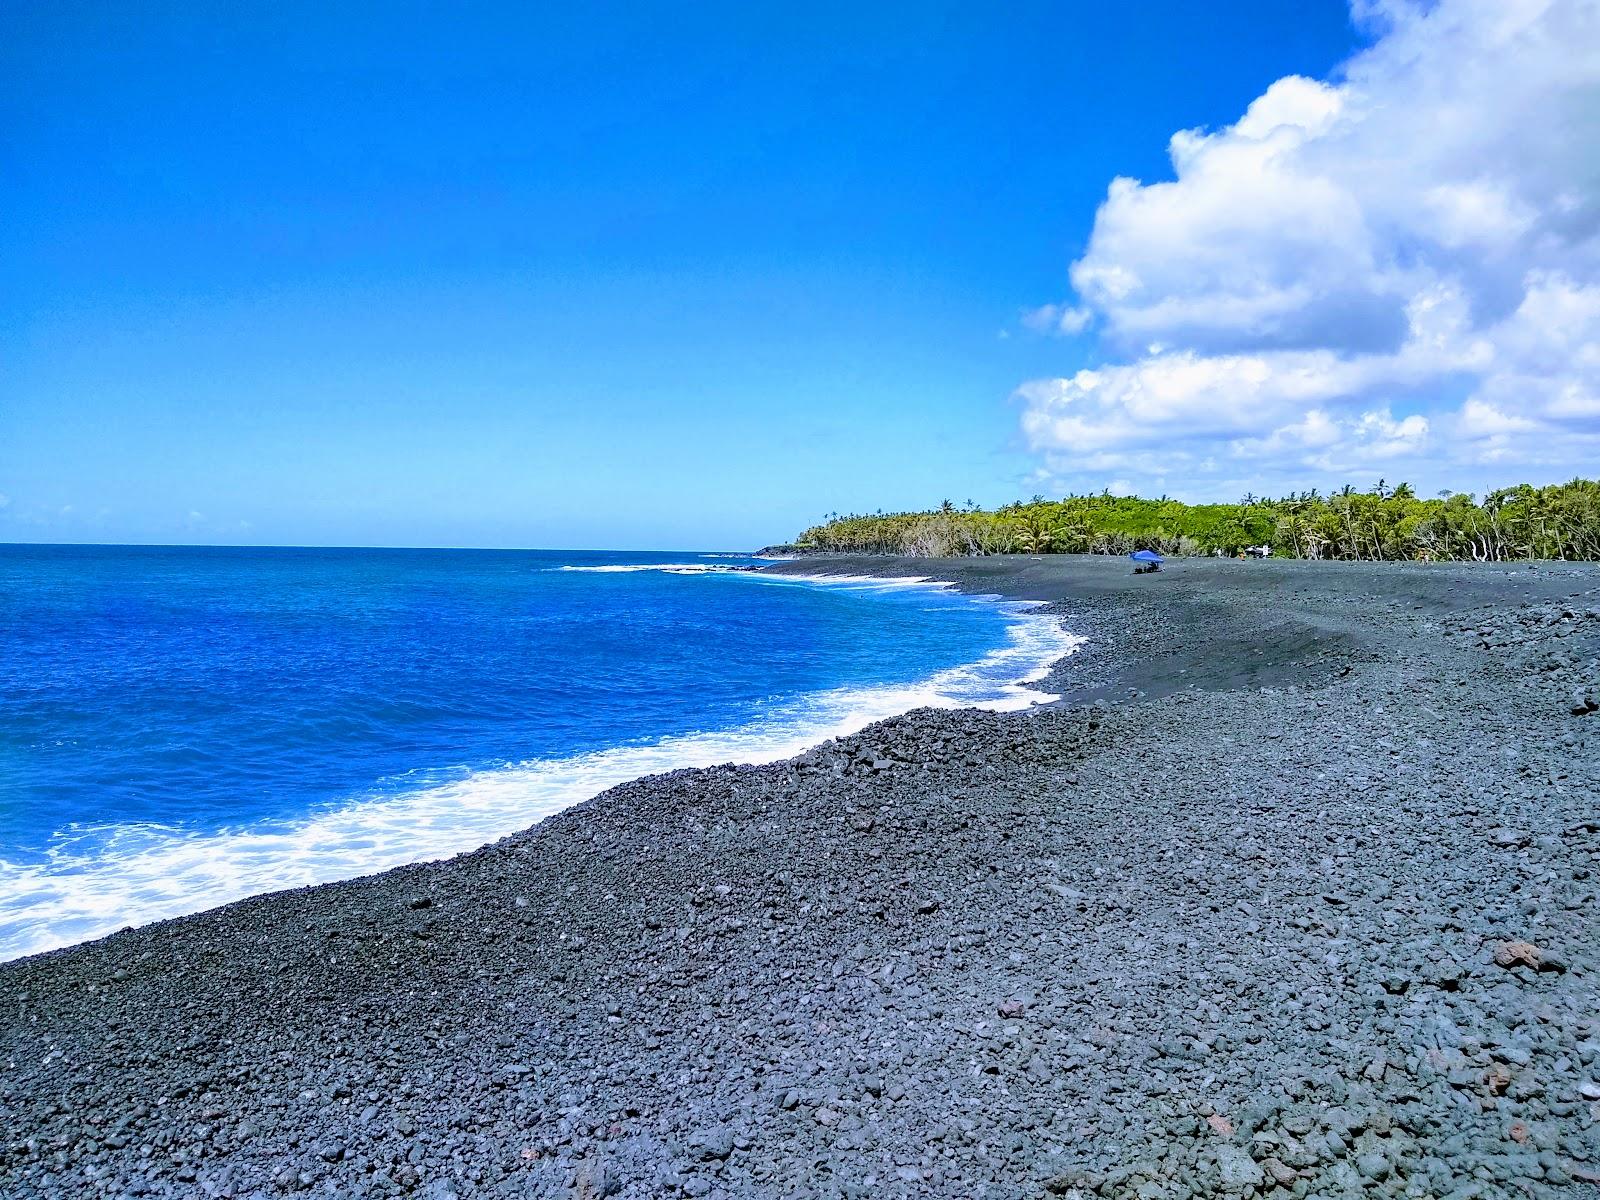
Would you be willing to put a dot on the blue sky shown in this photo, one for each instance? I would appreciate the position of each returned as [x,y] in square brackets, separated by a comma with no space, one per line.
[641,276]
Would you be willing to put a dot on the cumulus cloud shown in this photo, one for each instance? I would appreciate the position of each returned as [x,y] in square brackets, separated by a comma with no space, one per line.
[1400,264]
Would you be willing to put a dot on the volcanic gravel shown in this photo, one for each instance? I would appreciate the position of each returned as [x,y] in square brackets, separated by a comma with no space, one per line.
[1294,895]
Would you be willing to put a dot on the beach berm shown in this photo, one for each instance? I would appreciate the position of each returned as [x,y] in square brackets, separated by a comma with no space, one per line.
[1293,894]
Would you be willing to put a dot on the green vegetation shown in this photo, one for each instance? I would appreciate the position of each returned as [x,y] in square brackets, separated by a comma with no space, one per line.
[1560,521]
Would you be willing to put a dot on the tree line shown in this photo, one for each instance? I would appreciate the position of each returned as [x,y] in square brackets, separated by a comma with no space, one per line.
[1561,521]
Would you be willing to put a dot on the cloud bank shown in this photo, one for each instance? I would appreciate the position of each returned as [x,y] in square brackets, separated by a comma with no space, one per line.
[1393,271]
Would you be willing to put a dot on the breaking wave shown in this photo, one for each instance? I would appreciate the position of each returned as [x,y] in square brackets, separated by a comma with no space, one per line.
[93,879]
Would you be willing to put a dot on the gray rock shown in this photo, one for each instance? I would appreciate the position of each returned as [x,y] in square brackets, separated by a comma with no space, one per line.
[712,1143]
[1238,1169]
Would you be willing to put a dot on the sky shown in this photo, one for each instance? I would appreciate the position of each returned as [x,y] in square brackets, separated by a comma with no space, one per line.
[650,276]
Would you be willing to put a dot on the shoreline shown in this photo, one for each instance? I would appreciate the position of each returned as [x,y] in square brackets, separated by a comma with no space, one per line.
[1228,919]
[318,847]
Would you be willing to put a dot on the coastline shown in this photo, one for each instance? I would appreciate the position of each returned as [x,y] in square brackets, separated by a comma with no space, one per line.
[93,896]
[1256,865]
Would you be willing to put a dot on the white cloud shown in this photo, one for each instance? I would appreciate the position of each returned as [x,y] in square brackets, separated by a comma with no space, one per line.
[5,500]
[1057,318]
[1418,235]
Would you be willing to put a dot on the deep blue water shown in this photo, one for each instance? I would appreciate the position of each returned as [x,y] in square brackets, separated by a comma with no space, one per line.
[184,726]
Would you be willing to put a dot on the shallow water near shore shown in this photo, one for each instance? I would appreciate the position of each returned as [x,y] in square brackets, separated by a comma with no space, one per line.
[190,726]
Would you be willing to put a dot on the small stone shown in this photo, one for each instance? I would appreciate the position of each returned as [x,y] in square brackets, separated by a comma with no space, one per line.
[1373,1165]
[1516,954]
[1281,1173]
[1011,1009]
[420,902]
[709,1144]
[1510,839]
[1299,1123]
[1239,1170]
[1075,1181]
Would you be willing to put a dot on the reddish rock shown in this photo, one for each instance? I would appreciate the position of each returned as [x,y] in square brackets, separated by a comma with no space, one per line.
[1517,954]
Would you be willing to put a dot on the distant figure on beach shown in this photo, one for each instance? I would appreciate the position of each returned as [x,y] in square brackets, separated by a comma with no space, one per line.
[1145,561]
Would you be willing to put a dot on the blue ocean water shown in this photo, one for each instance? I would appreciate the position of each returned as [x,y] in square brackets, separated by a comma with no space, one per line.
[186,726]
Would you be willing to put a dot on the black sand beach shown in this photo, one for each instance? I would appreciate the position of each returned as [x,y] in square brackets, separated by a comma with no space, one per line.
[1293,895]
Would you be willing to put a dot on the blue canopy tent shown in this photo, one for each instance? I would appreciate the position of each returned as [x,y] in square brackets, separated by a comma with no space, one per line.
[1146,560]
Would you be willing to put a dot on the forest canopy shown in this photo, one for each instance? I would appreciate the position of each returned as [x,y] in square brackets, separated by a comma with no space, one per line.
[1561,521]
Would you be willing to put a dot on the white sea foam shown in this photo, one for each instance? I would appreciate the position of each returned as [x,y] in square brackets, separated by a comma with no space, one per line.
[669,568]
[95,880]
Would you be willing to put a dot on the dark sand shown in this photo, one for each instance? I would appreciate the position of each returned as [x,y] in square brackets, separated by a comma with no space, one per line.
[1294,895]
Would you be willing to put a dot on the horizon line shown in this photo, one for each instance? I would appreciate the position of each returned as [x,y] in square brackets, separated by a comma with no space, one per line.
[287,546]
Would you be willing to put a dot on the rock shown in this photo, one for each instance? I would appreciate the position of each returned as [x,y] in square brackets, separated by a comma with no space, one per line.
[1526,954]
[598,1181]
[1238,1169]
[1011,1009]
[1510,838]
[1373,1165]
[1073,1180]
[712,1143]
[1280,1173]
[1516,954]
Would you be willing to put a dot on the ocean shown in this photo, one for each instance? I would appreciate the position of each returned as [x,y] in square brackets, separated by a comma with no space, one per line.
[185,726]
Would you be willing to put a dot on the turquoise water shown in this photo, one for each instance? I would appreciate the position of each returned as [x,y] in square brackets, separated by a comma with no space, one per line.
[186,726]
